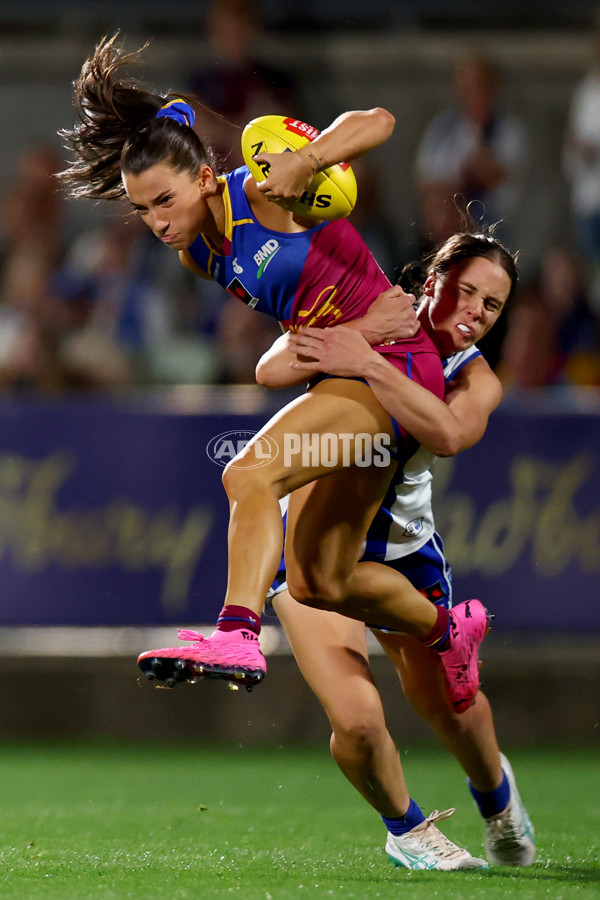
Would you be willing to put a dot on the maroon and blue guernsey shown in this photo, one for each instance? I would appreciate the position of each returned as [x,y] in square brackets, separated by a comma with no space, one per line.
[322,276]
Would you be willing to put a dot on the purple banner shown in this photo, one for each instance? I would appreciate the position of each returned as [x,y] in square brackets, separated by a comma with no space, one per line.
[520,518]
[113,513]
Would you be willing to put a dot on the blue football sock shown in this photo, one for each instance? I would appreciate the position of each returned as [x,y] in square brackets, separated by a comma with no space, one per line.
[490,803]
[407,822]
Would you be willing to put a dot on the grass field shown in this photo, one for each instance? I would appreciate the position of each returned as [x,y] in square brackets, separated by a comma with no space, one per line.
[137,822]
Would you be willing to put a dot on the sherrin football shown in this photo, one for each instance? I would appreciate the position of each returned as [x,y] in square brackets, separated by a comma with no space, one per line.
[332,192]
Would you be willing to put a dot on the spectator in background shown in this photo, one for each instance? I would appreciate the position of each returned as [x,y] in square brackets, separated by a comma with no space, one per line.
[237,83]
[377,229]
[32,211]
[474,149]
[33,317]
[241,335]
[37,316]
[133,328]
[581,166]
[553,337]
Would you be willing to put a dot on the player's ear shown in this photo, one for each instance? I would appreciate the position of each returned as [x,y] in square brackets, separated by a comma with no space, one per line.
[206,178]
[429,286]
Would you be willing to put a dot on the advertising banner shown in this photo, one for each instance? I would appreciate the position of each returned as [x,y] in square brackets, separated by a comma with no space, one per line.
[113,513]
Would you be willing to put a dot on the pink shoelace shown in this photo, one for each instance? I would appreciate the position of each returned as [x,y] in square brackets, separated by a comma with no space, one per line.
[186,635]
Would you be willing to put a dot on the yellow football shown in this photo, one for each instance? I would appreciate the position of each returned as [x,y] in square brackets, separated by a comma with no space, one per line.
[332,192]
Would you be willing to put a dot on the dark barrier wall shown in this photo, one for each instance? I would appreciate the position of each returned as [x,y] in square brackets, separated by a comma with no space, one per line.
[113,513]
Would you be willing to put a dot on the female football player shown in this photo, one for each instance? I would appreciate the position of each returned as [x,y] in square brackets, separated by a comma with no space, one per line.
[132,142]
[331,650]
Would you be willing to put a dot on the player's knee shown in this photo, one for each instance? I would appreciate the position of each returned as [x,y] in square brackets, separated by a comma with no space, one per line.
[229,479]
[239,480]
[314,589]
[314,583]
[360,734]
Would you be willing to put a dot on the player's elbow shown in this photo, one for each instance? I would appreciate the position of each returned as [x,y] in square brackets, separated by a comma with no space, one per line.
[447,448]
[447,443]
[274,376]
[263,375]
[385,120]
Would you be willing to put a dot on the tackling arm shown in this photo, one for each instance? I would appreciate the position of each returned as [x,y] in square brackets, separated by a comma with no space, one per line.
[445,428]
[390,317]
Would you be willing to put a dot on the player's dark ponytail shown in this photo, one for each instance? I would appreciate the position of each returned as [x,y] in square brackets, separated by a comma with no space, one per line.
[118,130]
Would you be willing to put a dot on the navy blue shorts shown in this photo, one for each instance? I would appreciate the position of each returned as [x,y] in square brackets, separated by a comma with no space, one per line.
[427,569]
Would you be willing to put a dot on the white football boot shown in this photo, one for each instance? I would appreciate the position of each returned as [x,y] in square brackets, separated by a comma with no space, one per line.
[510,838]
[425,847]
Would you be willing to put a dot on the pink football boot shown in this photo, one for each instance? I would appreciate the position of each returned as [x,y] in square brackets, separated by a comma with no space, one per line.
[469,623]
[233,656]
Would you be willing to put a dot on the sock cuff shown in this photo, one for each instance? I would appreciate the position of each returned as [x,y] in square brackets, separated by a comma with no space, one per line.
[440,631]
[401,824]
[232,617]
[490,803]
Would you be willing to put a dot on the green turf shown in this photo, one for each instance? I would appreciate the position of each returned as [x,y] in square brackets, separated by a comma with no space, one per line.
[81,822]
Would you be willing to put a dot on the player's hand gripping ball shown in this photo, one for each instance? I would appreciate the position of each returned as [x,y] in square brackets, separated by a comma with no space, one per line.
[330,195]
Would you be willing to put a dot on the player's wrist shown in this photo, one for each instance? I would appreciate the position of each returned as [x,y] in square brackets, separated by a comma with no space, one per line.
[361,326]
[312,159]
[374,367]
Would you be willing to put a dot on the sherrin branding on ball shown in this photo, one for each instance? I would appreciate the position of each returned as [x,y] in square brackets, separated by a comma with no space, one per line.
[331,193]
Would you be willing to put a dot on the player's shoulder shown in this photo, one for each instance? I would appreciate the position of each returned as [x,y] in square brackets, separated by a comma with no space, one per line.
[235,179]
[454,364]
[189,262]
[471,371]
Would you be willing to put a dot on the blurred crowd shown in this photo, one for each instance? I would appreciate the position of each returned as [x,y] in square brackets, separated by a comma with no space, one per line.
[98,304]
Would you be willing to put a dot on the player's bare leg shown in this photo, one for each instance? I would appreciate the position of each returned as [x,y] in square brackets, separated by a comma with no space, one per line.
[332,654]
[471,738]
[337,407]
[326,525]
[255,539]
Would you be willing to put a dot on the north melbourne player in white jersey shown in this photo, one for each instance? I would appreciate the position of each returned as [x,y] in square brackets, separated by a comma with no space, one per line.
[403,533]
[404,522]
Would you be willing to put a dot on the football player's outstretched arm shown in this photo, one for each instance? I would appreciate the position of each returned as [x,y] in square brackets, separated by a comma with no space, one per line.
[351,135]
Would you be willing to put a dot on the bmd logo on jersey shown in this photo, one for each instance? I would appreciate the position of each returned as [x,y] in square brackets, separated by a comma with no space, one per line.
[224,448]
[264,256]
